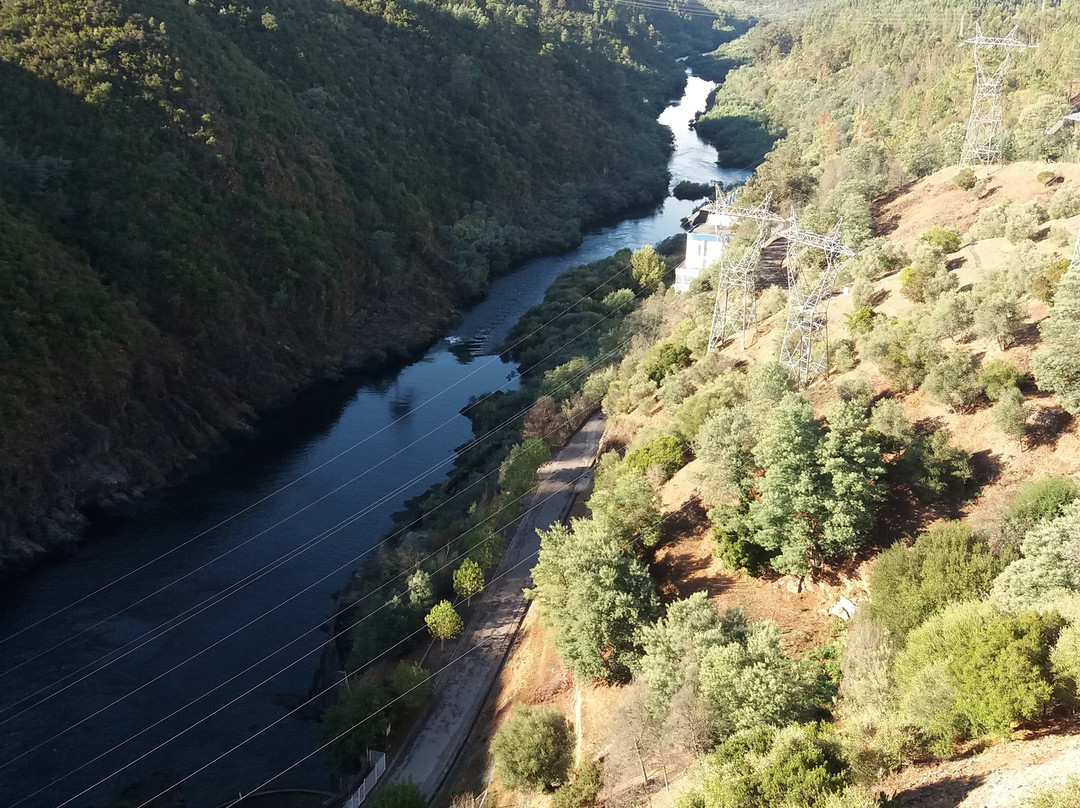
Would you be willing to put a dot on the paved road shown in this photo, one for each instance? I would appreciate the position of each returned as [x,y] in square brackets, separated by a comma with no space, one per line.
[463,688]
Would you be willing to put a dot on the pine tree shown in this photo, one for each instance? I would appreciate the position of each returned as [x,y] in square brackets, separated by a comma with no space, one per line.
[1057,366]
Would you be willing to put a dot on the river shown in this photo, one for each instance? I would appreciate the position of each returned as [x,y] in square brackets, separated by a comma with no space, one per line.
[173,646]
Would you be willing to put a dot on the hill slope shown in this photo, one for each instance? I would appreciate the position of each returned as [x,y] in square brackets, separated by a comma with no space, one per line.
[204,206]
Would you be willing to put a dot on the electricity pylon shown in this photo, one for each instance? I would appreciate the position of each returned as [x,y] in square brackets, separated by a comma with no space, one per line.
[807,314]
[1075,262]
[736,284]
[983,137]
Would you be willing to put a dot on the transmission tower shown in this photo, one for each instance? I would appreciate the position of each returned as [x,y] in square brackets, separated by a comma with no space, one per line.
[807,314]
[736,285]
[982,139]
[1075,262]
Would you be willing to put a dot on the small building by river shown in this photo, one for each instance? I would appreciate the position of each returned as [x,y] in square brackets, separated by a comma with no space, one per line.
[704,245]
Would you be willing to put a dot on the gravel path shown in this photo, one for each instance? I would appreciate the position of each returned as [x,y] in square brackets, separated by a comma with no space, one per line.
[460,692]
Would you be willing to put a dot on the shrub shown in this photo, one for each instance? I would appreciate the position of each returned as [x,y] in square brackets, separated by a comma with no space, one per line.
[947,564]
[1055,366]
[668,452]
[762,768]
[997,377]
[1050,565]
[1000,316]
[535,749]
[842,355]
[954,313]
[954,381]
[665,358]
[1024,221]
[965,178]
[1064,203]
[1065,658]
[583,789]
[861,320]
[944,238]
[771,300]
[1066,795]
[1043,499]
[972,670]
[1044,285]
[939,466]
[399,795]
[1011,414]
[990,223]
[1045,176]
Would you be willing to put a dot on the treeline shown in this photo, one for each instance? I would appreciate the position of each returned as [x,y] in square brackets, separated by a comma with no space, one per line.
[204,205]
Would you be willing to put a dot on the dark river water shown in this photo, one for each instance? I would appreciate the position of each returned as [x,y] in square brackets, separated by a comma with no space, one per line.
[174,645]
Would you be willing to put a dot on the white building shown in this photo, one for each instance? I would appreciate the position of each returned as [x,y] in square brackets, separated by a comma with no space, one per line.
[704,245]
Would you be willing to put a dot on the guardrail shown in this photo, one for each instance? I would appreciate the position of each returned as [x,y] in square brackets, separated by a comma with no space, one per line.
[378,767]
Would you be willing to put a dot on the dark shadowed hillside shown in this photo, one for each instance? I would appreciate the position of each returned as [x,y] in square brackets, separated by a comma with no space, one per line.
[204,206]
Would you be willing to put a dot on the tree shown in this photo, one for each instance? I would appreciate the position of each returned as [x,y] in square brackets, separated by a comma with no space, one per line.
[997,377]
[518,472]
[443,621]
[955,381]
[1057,365]
[999,316]
[1011,414]
[628,509]
[534,749]
[421,595]
[596,594]
[468,579]
[1050,565]
[947,564]
[647,267]
[790,507]
[725,447]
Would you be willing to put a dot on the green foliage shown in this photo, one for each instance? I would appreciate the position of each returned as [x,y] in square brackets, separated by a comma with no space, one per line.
[944,238]
[996,377]
[393,795]
[861,320]
[772,299]
[1057,365]
[421,593]
[954,381]
[518,472]
[725,447]
[1064,203]
[443,621]
[1024,221]
[1064,796]
[764,768]
[938,466]
[665,358]
[947,564]
[972,670]
[1050,565]
[965,178]
[468,578]
[627,508]
[902,350]
[361,717]
[1000,316]
[1044,285]
[534,749]
[582,791]
[750,683]
[596,594]
[954,314]
[647,268]
[1011,414]
[1043,499]
[817,496]
[668,452]
[990,223]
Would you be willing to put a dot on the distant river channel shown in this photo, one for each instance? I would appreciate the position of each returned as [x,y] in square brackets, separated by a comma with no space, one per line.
[173,646]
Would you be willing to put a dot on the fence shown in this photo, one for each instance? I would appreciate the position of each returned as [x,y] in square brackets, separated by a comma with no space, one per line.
[378,766]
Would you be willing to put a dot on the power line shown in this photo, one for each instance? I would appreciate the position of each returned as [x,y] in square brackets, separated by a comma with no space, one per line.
[243,583]
[269,496]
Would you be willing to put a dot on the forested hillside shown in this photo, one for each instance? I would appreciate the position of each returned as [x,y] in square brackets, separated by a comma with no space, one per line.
[205,205]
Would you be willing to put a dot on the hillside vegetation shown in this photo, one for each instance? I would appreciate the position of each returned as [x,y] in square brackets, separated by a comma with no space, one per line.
[933,477]
[205,205]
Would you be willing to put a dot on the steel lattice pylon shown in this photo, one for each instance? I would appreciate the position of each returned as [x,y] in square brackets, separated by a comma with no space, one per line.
[807,317]
[983,137]
[736,284]
[1075,262]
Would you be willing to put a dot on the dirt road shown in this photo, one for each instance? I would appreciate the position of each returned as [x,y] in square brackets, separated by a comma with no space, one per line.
[462,689]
